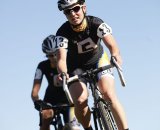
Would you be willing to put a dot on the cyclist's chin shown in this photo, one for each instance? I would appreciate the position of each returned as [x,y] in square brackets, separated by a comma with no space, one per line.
[76,22]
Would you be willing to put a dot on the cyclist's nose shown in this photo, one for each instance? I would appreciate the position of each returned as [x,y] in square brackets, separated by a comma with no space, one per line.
[72,13]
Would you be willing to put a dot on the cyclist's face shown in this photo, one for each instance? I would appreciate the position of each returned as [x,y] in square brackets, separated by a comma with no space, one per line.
[52,58]
[75,14]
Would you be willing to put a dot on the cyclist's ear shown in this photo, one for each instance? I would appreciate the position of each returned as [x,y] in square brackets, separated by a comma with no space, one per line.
[84,8]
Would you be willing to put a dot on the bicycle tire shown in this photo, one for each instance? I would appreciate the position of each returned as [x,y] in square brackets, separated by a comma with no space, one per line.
[106,116]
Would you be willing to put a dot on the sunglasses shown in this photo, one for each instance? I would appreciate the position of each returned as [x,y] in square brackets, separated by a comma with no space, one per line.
[74,9]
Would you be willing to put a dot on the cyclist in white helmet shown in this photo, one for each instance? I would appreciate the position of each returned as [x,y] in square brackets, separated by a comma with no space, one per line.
[81,35]
[54,93]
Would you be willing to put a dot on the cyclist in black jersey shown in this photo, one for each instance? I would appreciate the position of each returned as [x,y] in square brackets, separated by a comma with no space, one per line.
[79,47]
[54,93]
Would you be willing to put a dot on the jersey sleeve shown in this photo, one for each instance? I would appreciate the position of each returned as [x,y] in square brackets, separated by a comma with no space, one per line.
[39,73]
[103,29]
[61,42]
[61,37]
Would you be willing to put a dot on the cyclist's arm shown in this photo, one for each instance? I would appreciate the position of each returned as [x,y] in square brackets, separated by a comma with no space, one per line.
[37,83]
[61,46]
[113,47]
[104,31]
[61,60]
[35,89]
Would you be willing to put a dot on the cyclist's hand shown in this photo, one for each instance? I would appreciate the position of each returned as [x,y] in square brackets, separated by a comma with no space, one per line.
[117,58]
[41,105]
[46,106]
[38,104]
[60,76]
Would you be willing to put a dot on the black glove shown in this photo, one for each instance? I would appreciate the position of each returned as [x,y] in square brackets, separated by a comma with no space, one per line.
[41,105]
[38,104]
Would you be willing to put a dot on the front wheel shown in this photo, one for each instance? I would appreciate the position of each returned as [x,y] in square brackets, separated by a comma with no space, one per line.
[106,116]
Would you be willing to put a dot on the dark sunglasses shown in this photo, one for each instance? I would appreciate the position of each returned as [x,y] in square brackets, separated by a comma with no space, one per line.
[74,9]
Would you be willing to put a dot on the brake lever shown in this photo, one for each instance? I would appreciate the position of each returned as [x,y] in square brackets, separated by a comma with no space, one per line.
[120,71]
[66,90]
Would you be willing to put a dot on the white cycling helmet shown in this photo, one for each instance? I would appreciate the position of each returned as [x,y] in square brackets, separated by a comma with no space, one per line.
[62,4]
[48,45]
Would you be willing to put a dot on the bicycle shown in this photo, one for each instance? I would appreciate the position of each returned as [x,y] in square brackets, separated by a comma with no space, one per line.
[57,119]
[102,114]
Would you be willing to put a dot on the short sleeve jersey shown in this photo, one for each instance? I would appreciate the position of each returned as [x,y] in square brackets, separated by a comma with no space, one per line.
[44,68]
[54,93]
[84,48]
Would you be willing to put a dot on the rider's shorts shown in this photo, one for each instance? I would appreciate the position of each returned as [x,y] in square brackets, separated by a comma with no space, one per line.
[102,61]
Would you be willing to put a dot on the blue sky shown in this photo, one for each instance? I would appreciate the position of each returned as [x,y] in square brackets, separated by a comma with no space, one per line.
[23,26]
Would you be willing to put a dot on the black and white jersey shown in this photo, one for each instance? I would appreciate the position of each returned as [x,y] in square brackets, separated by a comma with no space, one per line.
[54,92]
[84,48]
